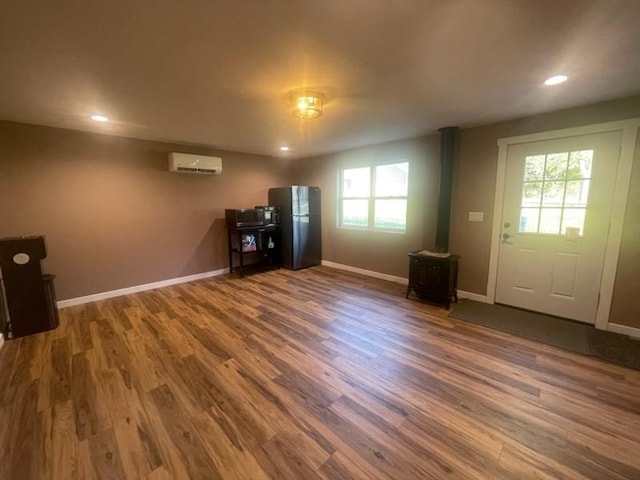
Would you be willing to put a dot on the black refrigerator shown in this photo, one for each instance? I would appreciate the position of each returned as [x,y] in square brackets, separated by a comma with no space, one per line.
[299,212]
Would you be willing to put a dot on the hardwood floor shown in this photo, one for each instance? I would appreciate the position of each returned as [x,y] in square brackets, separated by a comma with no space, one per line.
[314,374]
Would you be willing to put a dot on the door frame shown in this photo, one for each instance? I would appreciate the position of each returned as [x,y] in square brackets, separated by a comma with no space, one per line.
[629,129]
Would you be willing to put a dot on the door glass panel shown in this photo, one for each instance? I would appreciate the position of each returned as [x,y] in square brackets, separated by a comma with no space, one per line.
[558,185]
[573,217]
[531,193]
[550,220]
[556,166]
[577,193]
[529,220]
[580,164]
[553,194]
[534,168]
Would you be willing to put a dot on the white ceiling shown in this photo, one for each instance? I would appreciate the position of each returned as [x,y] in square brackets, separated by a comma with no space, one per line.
[217,72]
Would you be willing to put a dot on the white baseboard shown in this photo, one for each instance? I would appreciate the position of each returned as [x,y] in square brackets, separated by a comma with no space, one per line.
[1,341]
[139,288]
[368,273]
[624,329]
[473,296]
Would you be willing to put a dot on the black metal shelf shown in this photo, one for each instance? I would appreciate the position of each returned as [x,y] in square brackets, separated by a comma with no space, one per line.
[259,245]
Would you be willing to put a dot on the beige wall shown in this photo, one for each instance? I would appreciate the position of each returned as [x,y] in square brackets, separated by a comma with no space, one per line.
[115,217]
[112,213]
[378,251]
[473,190]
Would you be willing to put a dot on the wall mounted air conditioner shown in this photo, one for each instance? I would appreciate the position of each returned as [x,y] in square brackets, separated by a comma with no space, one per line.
[188,163]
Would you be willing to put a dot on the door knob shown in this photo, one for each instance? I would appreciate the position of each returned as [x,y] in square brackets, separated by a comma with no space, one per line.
[505,239]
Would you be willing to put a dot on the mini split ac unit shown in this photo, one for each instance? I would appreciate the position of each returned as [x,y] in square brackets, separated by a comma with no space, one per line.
[188,163]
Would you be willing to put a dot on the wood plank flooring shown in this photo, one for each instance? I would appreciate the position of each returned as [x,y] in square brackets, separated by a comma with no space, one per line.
[314,374]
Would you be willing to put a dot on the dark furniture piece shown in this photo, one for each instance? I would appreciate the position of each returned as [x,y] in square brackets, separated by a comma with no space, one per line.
[252,248]
[299,216]
[433,278]
[29,296]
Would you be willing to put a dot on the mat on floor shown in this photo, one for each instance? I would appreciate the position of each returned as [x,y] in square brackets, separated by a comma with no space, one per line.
[574,336]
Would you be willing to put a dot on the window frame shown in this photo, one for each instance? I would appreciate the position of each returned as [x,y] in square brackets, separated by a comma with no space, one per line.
[371,199]
[540,206]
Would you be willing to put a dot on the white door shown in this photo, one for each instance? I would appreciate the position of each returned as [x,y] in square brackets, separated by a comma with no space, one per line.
[555,221]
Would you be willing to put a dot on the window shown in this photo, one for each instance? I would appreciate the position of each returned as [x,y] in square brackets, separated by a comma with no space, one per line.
[374,197]
[555,190]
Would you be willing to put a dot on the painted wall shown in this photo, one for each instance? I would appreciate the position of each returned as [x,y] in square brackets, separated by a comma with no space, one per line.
[473,190]
[115,217]
[378,251]
[112,214]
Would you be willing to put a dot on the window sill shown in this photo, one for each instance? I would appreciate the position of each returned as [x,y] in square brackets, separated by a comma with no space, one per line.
[368,229]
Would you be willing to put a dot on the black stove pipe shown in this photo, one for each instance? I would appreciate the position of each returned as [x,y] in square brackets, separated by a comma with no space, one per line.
[447,146]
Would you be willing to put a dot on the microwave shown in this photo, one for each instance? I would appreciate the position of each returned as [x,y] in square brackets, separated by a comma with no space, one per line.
[270,214]
[244,217]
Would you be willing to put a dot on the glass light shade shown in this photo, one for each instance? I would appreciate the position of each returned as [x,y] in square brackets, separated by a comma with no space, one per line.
[307,104]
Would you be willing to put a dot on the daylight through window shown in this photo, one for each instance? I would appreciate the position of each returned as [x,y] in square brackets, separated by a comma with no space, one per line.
[555,190]
[374,197]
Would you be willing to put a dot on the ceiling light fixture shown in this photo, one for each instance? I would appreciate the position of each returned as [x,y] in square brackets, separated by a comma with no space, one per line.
[99,118]
[307,103]
[556,80]
[284,148]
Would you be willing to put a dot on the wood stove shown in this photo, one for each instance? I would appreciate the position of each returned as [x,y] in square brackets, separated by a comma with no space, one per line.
[434,275]
[433,278]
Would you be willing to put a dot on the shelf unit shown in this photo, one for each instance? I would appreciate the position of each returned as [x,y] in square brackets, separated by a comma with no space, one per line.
[254,248]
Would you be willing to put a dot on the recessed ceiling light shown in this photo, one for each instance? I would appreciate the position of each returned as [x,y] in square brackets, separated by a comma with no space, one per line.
[99,118]
[555,80]
[284,148]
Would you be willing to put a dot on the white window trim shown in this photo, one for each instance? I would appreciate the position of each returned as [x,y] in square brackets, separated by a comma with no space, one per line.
[370,227]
